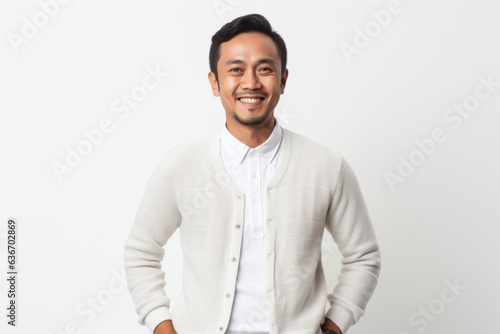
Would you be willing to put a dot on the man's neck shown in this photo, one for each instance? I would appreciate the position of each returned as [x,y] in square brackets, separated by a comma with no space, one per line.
[254,135]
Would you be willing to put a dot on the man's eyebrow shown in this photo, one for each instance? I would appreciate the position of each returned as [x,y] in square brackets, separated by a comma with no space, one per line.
[260,61]
[234,62]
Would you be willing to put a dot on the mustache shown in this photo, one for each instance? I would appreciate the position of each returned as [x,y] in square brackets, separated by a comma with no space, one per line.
[258,93]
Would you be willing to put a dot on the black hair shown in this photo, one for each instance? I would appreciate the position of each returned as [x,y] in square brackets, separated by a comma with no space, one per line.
[247,23]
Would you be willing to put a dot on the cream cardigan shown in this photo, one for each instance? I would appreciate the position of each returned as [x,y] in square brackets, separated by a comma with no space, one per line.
[313,189]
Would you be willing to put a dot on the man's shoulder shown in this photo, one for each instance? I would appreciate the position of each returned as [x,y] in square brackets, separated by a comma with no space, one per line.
[189,154]
[306,146]
[202,144]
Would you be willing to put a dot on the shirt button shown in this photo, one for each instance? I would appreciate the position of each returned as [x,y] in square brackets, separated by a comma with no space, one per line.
[238,226]
[233,259]
[228,295]
[221,328]
[238,196]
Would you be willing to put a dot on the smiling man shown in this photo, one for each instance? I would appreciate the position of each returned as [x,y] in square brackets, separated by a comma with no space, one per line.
[251,203]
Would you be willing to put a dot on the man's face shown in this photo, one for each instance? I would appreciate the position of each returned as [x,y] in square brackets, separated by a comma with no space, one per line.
[250,80]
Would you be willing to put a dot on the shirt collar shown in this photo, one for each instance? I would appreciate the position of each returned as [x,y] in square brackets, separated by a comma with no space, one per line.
[239,151]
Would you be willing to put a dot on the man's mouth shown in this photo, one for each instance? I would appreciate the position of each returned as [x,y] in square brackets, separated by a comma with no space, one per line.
[250,100]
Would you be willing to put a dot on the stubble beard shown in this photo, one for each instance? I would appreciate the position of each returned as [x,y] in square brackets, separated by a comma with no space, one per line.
[252,121]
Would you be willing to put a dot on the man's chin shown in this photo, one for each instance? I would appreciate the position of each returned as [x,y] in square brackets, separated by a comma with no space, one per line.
[252,120]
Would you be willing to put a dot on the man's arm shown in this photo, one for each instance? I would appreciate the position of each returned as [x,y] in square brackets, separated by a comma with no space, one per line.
[350,225]
[156,220]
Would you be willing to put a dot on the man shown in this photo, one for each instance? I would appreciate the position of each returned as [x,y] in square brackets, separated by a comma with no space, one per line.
[252,203]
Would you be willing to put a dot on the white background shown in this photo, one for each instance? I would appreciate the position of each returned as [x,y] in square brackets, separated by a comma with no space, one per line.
[439,225]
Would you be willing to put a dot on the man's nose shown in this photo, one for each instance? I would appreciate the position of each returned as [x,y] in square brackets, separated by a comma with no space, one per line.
[250,81]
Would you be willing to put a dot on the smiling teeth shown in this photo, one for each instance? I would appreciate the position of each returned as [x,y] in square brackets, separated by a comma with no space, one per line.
[249,100]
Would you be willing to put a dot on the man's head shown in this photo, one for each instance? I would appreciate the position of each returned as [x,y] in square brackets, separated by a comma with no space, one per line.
[247,23]
[248,69]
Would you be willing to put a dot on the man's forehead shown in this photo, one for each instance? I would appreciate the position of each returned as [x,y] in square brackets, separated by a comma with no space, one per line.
[254,43]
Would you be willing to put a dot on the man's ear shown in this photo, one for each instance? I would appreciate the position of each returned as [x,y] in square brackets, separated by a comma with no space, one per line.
[284,77]
[213,83]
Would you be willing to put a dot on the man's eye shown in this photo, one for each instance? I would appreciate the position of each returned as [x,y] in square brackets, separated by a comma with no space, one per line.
[236,69]
[265,69]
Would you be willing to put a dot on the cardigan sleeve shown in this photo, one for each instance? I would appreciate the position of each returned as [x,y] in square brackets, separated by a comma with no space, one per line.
[156,220]
[349,223]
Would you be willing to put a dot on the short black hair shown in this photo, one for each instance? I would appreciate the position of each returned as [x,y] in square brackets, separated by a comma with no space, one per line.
[247,23]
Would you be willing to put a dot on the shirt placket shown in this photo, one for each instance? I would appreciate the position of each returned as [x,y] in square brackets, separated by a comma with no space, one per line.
[257,231]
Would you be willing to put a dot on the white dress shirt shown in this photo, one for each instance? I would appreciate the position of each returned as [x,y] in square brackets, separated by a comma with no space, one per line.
[251,169]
